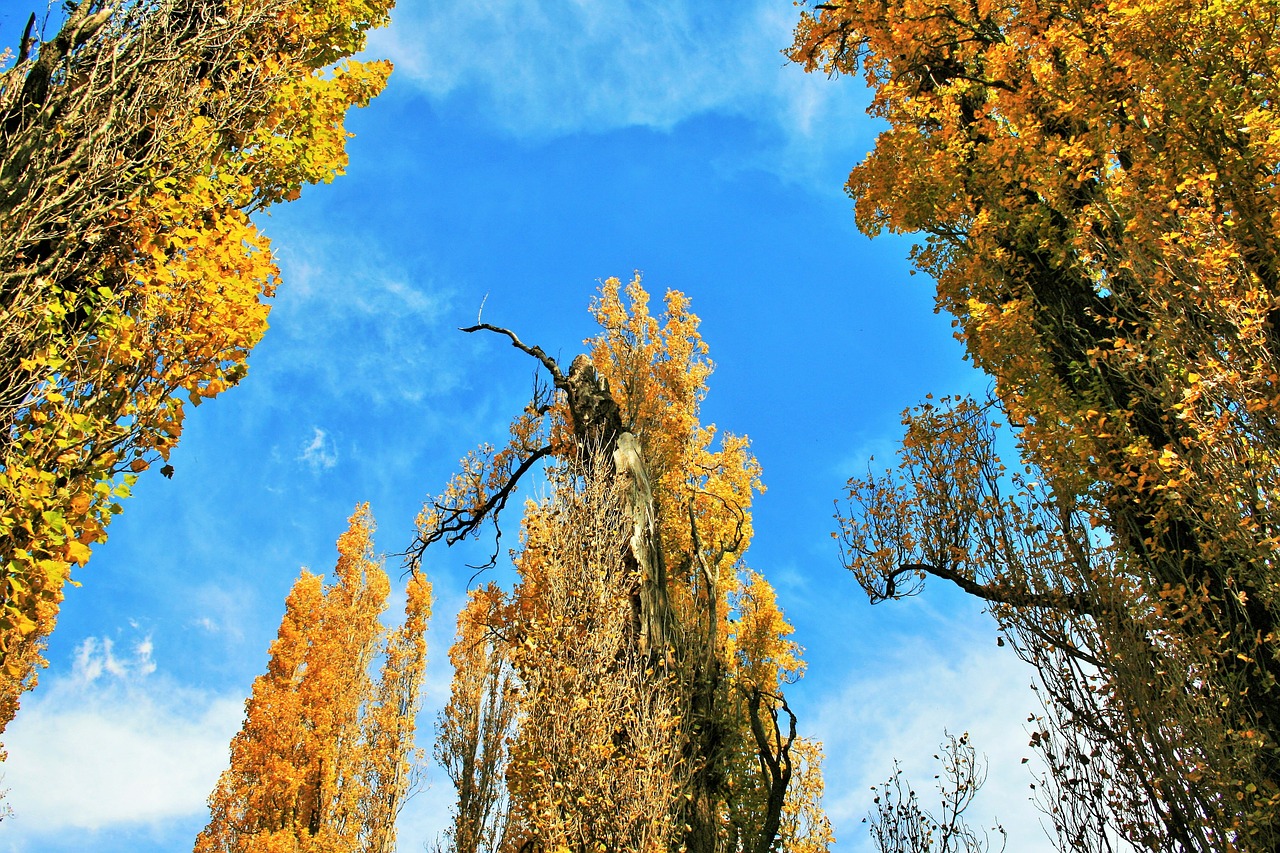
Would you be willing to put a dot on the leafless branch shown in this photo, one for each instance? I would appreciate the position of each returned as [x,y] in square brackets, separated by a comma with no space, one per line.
[561,381]
[773,750]
[457,523]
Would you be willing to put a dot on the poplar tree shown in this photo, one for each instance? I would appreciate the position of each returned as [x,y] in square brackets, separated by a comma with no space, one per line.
[136,139]
[472,743]
[325,757]
[647,661]
[1096,189]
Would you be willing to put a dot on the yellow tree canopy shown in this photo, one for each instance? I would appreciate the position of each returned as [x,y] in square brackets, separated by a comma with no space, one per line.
[138,139]
[323,761]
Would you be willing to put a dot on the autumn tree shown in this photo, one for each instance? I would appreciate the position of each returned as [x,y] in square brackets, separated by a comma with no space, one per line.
[596,759]
[1096,187]
[475,726]
[1132,755]
[804,824]
[649,661]
[137,137]
[326,754]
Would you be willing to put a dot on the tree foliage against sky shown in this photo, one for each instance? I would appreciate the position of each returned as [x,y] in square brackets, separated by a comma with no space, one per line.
[326,755]
[1097,187]
[476,725]
[646,661]
[137,139]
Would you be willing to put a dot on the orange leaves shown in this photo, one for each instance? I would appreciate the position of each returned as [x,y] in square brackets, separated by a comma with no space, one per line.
[765,658]
[1020,142]
[1097,187]
[323,759]
[635,636]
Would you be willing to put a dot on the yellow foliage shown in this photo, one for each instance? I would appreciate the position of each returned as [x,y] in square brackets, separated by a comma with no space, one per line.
[166,139]
[1095,183]
[618,744]
[764,656]
[325,755]
[596,757]
[657,369]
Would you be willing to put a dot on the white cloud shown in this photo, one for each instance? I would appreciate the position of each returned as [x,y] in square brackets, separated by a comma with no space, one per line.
[320,453]
[110,744]
[902,706]
[355,326]
[561,65]
[94,657]
[544,68]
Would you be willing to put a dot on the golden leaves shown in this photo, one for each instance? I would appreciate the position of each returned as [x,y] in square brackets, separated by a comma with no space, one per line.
[763,654]
[160,144]
[324,756]
[1097,187]
[596,759]
[657,368]
[635,633]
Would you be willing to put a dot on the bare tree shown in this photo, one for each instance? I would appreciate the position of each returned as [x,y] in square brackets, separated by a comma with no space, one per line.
[900,824]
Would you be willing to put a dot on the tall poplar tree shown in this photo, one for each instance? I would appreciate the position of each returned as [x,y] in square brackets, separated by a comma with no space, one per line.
[472,743]
[1097,189]
[326,755]
[135,140]
[647,661]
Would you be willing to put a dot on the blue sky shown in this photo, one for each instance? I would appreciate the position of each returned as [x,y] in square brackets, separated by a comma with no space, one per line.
[525,150]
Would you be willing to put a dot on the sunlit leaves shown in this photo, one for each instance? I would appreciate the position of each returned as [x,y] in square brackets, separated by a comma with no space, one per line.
[472,742]
[1096,187]
[138,140]
[597,759]
[326,756]
[625,736]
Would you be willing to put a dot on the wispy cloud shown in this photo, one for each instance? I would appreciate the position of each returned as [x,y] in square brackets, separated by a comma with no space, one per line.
[358,325]
[900,708]
[113,744]
[544,68]
[320,453]
[95,657]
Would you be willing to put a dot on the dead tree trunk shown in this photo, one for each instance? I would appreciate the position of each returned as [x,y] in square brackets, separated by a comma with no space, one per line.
[598,429]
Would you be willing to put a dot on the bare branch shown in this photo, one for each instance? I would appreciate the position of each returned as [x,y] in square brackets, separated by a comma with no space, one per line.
[1075,603]
[457,523]
[561,381]
[774,753]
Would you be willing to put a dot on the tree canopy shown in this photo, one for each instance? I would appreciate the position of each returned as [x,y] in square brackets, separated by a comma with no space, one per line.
[638,665]
[1096,187]
[137,140]
[326,756]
